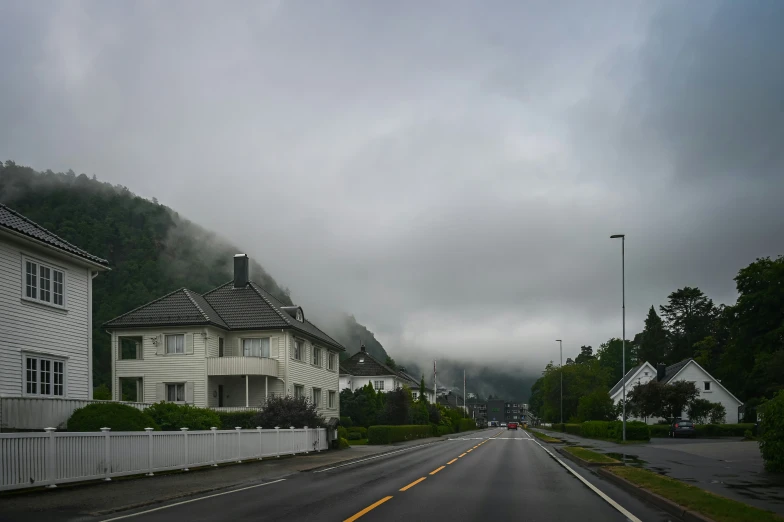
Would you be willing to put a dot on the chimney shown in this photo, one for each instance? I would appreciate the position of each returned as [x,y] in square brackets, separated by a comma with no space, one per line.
[661,371]
[362,348]
[240,271]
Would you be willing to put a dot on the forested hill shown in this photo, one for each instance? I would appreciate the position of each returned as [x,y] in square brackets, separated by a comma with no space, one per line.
[150,248]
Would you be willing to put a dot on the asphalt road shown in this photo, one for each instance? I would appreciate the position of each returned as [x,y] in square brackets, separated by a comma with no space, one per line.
[494,473]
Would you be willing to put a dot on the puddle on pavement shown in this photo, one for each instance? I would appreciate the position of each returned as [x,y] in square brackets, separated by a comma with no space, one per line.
[628,459]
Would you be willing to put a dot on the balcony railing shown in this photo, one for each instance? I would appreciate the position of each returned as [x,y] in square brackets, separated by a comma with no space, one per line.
[242,366]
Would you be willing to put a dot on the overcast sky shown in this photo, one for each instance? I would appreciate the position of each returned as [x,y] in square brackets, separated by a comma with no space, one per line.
[449,172]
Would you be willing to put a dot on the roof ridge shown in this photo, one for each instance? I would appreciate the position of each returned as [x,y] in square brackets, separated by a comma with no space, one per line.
[85,253]
[192,300]
[253,285]
[205,294]
[146,304]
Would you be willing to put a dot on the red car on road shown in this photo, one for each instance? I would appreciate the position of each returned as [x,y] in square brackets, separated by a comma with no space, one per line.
[511,426]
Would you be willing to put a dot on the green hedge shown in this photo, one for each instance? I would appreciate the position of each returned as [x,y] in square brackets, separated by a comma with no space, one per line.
[574,429]
[390,434]
[118,417]
[611,430]
[172,417]
[343,444]
[358,429]
[442,430]
[354,435]
[772,432]
[346,421]
[242,419]
[708,430]
[660,430]
[466,425]
[342,433]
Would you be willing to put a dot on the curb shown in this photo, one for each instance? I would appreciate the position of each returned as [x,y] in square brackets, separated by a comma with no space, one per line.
[585,463]
[662,503]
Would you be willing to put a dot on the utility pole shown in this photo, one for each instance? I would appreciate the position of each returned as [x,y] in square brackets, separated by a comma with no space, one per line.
[560,342]
[623,308]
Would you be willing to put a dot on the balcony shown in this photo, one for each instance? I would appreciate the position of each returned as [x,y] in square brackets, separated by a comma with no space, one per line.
[242,366]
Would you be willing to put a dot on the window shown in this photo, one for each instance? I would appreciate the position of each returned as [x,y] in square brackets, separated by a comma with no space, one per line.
[316,356]
[414,395]
[330,361]
[379,385]
[175,392]
[175,343]
[299,391]
[44,376]
[300,317]
[43,283]
[220,346]
[299,349]
[331,399]
[256,347]
[130,348]
[706,386]
[317,397]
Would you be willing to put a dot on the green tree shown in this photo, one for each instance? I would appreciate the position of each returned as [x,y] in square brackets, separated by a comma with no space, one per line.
[586,354]
[422,391]
[610,356]
[652,345]
[690,317]
[677,396]
[646,400]
[718,413]
[390,362]
[699,410]
[596,405]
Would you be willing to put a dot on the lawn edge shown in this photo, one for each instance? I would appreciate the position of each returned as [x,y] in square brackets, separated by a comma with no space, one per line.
[586,463]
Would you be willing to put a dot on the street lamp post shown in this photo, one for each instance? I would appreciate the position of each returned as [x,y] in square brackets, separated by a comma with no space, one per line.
[623,339]
[560,342]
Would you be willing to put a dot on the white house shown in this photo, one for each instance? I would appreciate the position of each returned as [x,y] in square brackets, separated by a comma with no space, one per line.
[362,369]
[234,346]
[709,387]
[46,308]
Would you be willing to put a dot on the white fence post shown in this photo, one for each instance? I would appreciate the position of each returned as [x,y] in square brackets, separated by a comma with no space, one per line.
[307,440]
[187,454]
[51,458]
[149,451]
[277,450]
[107,454]
[293,441]
[261,444]
[214,446]
[239,444]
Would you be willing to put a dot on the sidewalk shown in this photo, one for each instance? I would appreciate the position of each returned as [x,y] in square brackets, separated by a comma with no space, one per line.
[728,467]
[70,501]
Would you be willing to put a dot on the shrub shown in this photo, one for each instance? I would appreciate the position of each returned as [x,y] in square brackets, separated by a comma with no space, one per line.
[613,430]
[466,425]
[287,412]
[442,430]
[390,434]
[747,435]
[342,432]
[717,413]
[660,430]
[722,430]
[118,417]
[344,443]
[358,429]
[354,435]
[233,419]
[346,421]
[771,432]
[102,393]
[634,431]
[172,417]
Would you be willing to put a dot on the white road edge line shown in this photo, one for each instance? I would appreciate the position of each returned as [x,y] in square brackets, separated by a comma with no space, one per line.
[596,490]
[192,500]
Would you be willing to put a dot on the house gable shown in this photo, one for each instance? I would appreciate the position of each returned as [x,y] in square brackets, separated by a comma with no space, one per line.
[691,363]
[632,374]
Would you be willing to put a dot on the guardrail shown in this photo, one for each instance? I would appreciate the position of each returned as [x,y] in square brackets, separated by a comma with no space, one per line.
[51,458]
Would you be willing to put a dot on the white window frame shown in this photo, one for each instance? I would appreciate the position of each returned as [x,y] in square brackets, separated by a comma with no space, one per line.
[301,389]
[301,357]
[166,344]
[51,291]
[316,351]
[706,386]
[378,385]
[331,396]
[330,361]
[261,346]
[175,393]
[316,400]
[52,361]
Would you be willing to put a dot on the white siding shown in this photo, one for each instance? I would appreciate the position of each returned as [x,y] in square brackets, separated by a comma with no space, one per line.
[41,328]
[306,374]
[694,373]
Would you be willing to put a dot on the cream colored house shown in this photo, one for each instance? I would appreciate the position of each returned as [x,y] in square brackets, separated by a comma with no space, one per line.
[362,369]
[232,347]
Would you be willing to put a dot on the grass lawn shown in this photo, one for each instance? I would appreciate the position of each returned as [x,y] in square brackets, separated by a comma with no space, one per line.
[691,497]
[541,436]
[590,456]
[360,442]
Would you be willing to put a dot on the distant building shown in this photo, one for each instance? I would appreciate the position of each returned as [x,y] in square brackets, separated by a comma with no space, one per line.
[362,369]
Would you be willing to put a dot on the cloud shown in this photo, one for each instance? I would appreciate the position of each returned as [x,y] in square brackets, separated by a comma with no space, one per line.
[447,172]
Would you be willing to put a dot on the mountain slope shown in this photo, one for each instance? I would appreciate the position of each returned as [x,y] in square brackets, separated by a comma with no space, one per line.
[150,248]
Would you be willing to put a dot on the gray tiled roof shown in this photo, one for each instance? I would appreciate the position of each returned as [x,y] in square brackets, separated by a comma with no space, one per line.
[672,369]
[362,364]
[626,377]
[247,308]
[16,222]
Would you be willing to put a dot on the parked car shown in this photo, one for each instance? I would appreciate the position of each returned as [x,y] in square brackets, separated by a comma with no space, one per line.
[682,428]
[503,425]
[511,426]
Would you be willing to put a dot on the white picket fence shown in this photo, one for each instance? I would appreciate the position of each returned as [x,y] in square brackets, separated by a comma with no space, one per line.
[51,458]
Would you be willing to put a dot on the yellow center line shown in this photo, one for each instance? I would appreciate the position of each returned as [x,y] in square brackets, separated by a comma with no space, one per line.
[463,455]
[476,446]
[469,451]
[367,510]
[417,481]
[451,461]
[437,470]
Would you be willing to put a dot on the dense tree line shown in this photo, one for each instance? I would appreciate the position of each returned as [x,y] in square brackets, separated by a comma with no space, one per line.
[151,249]
[742,345]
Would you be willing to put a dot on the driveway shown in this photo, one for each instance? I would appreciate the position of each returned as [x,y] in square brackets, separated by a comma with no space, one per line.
[726,466]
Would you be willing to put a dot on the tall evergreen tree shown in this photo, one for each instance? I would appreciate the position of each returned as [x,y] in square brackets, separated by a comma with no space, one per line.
[690,317]
[652,345]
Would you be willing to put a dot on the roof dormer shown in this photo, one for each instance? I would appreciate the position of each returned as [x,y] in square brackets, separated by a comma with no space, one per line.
[295,312]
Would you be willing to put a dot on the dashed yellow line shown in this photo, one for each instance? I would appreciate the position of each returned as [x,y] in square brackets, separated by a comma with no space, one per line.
[417,481]
[451,461]
[367,510]
[437,470]
[463,455]
[469,451]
